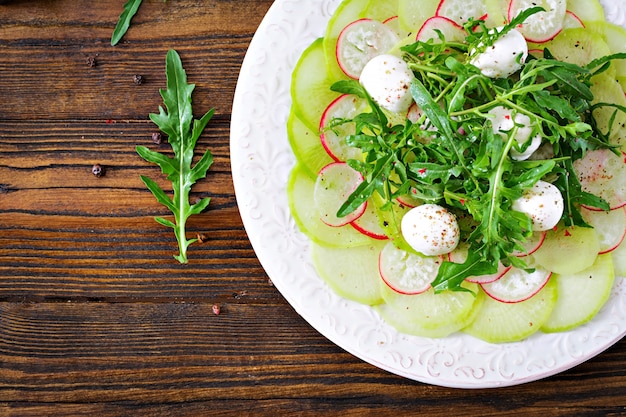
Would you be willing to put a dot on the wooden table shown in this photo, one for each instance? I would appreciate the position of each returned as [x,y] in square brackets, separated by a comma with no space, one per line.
[97,318]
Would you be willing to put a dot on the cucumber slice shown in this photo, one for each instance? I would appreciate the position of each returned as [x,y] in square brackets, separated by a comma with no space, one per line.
[404,321]
[498,322]
[300,196]
[586,10]
[413,13]
[577,46]
[382,9]
[615,37]
[580,296]
[432,311]
[310,86]
[568,250]
[351,272]
[606,90]
[619,260]
[306,146]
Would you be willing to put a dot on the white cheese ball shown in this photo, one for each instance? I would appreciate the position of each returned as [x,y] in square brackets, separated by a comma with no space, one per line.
[504,57]
[430,229]
[543,203]
[503,121]
[387,79]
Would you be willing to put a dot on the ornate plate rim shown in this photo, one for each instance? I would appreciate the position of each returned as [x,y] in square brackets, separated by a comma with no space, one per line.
[261,160]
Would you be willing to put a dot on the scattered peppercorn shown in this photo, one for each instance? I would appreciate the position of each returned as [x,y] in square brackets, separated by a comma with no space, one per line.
[201,237]
[216,309]
[97,170]
[157,138]
[91,61]
[138,79]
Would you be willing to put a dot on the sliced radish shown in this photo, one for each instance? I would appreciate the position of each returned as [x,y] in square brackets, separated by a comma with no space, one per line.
[334,134]
[335,182]
[531,244]
[460,11]
[361,41]
[517,285]
[451,30]
[603,173]
[610,226]
[459,255]
[369,223]
[572,21]
[405,272]
[542,26]
[409,200]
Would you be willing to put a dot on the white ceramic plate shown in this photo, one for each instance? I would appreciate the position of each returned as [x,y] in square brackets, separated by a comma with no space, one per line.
[261,162]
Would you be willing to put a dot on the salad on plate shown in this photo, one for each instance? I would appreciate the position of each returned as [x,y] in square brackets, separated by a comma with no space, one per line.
[460,164]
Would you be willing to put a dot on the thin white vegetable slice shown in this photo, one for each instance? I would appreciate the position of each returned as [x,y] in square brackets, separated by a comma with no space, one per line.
[334,184]
[413,13]
[542,26]
[610,227]
[499,322]
[351,272]
[361,41]
[568,250]
[603,173]
[369,223]
[300,196]
[451,31]
[406,272]
[572,21]
[459,255]
[517,285]
[333,134]
[460,11]
[581,296]
[531,244]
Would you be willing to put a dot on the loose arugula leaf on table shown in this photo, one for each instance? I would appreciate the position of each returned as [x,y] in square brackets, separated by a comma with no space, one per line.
[130,9]
[183,133]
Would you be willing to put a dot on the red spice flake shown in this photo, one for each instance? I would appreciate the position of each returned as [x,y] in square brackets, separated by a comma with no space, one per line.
[422,171]
[109,121]
[462,201]
[567,233]
[216,309]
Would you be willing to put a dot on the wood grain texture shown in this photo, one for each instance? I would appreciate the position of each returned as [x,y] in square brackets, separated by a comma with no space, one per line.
[97,319]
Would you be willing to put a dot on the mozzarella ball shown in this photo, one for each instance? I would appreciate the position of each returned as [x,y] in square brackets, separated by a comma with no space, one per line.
[430,229]
[504,57]
[503,122]
[543,203]
[387,79]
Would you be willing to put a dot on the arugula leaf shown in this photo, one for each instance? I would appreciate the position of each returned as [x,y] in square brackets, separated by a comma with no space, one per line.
[130,9]
[183,133]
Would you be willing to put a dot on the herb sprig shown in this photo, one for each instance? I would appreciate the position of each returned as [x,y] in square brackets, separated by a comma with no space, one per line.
[183,132]
[451,154]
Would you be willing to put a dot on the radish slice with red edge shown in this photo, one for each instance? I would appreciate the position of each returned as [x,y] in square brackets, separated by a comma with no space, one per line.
[542,26]
[610,226]
[571,21]
[460,254]
[369,223]
[517,285]
[451,30]
[334,135]
[361,41]
[334,184]
[406,272]
[603,173]
[531,244]
[460,11]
